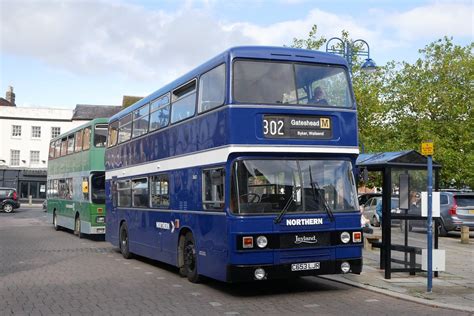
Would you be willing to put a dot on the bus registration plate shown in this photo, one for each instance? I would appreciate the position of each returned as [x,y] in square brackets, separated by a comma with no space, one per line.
[305,266]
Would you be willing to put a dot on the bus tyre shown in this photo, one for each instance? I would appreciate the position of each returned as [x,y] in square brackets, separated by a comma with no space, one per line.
[77,227]
[55,221]
[8,208]
[123,242]
[190,259]
[181,267]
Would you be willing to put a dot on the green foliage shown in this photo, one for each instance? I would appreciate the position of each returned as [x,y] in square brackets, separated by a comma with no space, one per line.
[402,104]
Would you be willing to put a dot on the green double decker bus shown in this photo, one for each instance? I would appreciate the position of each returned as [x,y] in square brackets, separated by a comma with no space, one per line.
[76,179]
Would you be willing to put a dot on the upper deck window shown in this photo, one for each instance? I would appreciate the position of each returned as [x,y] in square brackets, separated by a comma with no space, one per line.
[160,113]
[125,128]
[78,146]
[140,121]
[212,89]
[183,102]
[70,144]
[287,83]
[100,135]
[113,134]
[86,138]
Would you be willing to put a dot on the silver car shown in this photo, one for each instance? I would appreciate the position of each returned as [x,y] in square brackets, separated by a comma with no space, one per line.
[457,209]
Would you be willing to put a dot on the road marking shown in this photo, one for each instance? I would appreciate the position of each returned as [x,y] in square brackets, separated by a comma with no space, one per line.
[21,262]
[126,263]
[215,304]
[148,272]
[137,268]
[177,285]
[231,313]
[118,259]
[195,293]
[160,278]
[371,300]
[311,305]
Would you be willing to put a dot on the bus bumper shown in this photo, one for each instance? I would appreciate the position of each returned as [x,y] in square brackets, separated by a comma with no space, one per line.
[87,228]
[246,273]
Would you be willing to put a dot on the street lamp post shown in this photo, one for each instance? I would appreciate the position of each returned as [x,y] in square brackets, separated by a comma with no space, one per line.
[347,51]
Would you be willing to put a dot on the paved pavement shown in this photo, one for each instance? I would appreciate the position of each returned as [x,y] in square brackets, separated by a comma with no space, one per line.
[454,288]
[44,272]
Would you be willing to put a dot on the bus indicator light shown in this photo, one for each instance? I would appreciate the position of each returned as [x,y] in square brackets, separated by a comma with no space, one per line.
[247,242]
[356,237]
[100,210]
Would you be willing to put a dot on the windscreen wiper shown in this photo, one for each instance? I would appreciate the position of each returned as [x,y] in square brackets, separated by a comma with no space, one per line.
[316,189]
[283,211]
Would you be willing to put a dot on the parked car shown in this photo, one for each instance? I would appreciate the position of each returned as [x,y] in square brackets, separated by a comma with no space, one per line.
[456,210]
[364,197]
[8,200]
[373,210]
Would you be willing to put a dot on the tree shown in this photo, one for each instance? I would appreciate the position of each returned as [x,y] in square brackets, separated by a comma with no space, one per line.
[402,104]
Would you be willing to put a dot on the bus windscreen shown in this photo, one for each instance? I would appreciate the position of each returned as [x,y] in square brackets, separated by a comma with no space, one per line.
[298,186]
[98,188]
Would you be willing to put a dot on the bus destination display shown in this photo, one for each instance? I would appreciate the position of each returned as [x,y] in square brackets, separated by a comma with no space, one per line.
[308,127]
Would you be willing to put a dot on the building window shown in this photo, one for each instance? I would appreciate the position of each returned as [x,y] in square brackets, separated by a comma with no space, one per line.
[213,188]
[55,131]
[16,130]
[159,191]
[14,157]
[34,156]
[35,131]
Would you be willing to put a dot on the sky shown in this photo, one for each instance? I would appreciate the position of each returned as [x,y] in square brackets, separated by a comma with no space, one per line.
[58,54]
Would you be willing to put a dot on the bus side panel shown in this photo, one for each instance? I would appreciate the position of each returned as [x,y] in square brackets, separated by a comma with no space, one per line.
[211,231]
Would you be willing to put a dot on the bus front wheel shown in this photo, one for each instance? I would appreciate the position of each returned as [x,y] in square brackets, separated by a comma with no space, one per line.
[190,259]
[123,244]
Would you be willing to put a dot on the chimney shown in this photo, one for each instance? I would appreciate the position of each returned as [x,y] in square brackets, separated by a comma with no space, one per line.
[10,96]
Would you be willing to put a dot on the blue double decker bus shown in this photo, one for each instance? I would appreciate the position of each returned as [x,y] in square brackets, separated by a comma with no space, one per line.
[240,170]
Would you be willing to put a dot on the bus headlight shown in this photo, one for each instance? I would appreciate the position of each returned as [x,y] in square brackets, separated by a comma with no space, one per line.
[345,237]
[262,241]
[259,274]
[345,267]
[100,219]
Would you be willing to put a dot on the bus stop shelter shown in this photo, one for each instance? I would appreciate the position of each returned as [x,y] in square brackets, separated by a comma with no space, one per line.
[398,170]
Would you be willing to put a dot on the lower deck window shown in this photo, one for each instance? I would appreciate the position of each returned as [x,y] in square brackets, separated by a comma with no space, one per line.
[124,194]
[213,188]
[140,192]
[159,187]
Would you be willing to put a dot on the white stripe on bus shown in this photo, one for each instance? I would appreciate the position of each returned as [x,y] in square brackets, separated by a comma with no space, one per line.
[215,156]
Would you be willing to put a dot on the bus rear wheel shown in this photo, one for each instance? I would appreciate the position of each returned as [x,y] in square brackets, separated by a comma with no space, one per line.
[77,227]
[55,221]
[123,242]
[190,259]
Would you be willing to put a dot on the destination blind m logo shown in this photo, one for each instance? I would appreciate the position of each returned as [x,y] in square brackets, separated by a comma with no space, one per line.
[304,221]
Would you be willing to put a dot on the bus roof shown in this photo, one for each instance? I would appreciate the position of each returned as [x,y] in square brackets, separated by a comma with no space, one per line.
[75,129]
[257,52]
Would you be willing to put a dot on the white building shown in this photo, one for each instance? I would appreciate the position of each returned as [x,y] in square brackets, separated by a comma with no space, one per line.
[24,142]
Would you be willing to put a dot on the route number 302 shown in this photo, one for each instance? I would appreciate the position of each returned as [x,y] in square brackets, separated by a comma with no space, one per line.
[273,127]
